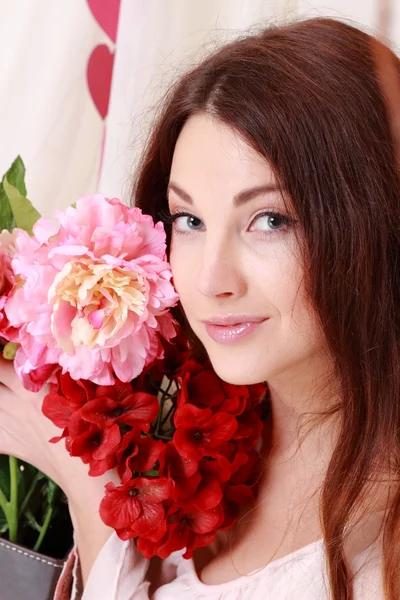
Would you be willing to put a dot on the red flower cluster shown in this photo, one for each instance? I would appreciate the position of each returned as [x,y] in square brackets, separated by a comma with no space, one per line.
[184,448]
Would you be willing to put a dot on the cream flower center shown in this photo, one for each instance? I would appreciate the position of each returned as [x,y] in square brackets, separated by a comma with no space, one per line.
[93,301]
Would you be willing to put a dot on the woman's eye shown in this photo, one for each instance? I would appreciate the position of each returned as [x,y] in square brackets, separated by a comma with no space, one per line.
[185,222]
[270,221]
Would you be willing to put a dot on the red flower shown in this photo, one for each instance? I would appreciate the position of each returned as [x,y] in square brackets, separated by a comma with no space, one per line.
[136,508]
[208,494]
[117,403]
[65,397]
[199,385]
[138,454]
[199,431]
[57,408]
[78,391]
[183,471]
[176,465]
[217,466]
[96,447]
[189,528]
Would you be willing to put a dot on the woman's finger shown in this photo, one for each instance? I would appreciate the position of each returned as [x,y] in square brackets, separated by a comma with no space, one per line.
[8,376]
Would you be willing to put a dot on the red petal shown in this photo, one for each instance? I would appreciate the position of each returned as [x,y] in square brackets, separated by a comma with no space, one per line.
[216,465]
[117,392]
[139,407]
[57,408]
[151,518]
[220,428]
[188,446]
[154,490]
[208,495]
[199,541]
[111,437]
[99,411]
[99,467]
[189,416]
[241,494]
[118,509]
[77,390]
[177,465]
[206,521]
[178,538]
[149,451]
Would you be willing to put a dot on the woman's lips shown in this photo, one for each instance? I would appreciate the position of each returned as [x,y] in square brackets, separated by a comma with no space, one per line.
[228,334]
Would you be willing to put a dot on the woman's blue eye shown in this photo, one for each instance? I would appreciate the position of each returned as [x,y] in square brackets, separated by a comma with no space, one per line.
[181,222]
[186,222]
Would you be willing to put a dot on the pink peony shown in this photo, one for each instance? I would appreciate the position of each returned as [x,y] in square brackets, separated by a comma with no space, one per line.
[96,294]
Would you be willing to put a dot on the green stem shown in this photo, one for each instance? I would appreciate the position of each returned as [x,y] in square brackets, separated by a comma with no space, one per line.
[3,504]
[170,410]
[13,504]
[30,492]
[44,528]
[160,414]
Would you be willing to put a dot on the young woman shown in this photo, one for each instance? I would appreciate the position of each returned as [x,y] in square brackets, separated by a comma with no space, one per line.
[274,168]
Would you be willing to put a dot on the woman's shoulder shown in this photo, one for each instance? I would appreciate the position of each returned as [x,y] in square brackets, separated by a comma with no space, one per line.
[300,574]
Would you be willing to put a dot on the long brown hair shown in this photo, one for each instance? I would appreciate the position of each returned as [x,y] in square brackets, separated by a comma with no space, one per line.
[307,97]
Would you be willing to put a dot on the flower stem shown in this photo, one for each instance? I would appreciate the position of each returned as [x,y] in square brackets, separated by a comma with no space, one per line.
[44,528]
[30,492]
[3,504]
[13,504]
[165,419]
[160,414]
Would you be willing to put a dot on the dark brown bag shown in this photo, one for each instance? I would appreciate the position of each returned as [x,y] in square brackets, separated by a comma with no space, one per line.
[27,575]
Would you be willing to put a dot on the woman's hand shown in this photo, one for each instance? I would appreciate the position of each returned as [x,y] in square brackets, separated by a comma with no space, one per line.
[25,434]
[25,431]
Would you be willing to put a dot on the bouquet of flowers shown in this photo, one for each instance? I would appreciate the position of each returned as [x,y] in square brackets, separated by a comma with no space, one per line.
[86,306]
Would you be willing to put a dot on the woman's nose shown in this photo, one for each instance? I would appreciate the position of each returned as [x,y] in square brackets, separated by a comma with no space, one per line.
[219,272]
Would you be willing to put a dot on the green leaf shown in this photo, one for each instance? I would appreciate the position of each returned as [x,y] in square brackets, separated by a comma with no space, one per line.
[25,214]
[10,350]
[150,473]
[3,523]
[16,175]
[30,518]
[7,220]
[5,475]
[52,490]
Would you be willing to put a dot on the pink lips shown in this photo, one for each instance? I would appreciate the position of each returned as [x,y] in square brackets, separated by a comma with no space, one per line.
[230,328]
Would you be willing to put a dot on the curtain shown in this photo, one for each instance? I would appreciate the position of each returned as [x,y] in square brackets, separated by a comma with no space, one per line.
[81,79]
[56,63]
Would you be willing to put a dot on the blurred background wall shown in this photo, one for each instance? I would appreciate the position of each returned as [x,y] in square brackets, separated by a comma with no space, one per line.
[80,79]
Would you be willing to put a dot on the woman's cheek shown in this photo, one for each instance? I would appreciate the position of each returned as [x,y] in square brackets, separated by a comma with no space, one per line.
[182,270]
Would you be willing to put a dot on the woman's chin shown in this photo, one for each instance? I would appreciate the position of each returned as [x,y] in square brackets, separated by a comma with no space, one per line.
[237,376]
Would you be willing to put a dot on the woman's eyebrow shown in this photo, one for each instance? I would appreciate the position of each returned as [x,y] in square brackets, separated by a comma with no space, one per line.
[239,199]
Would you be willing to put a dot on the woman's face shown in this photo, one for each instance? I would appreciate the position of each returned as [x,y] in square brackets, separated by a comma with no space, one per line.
[234,264]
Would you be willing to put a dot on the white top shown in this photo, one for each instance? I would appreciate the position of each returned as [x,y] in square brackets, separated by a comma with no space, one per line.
[119,573]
